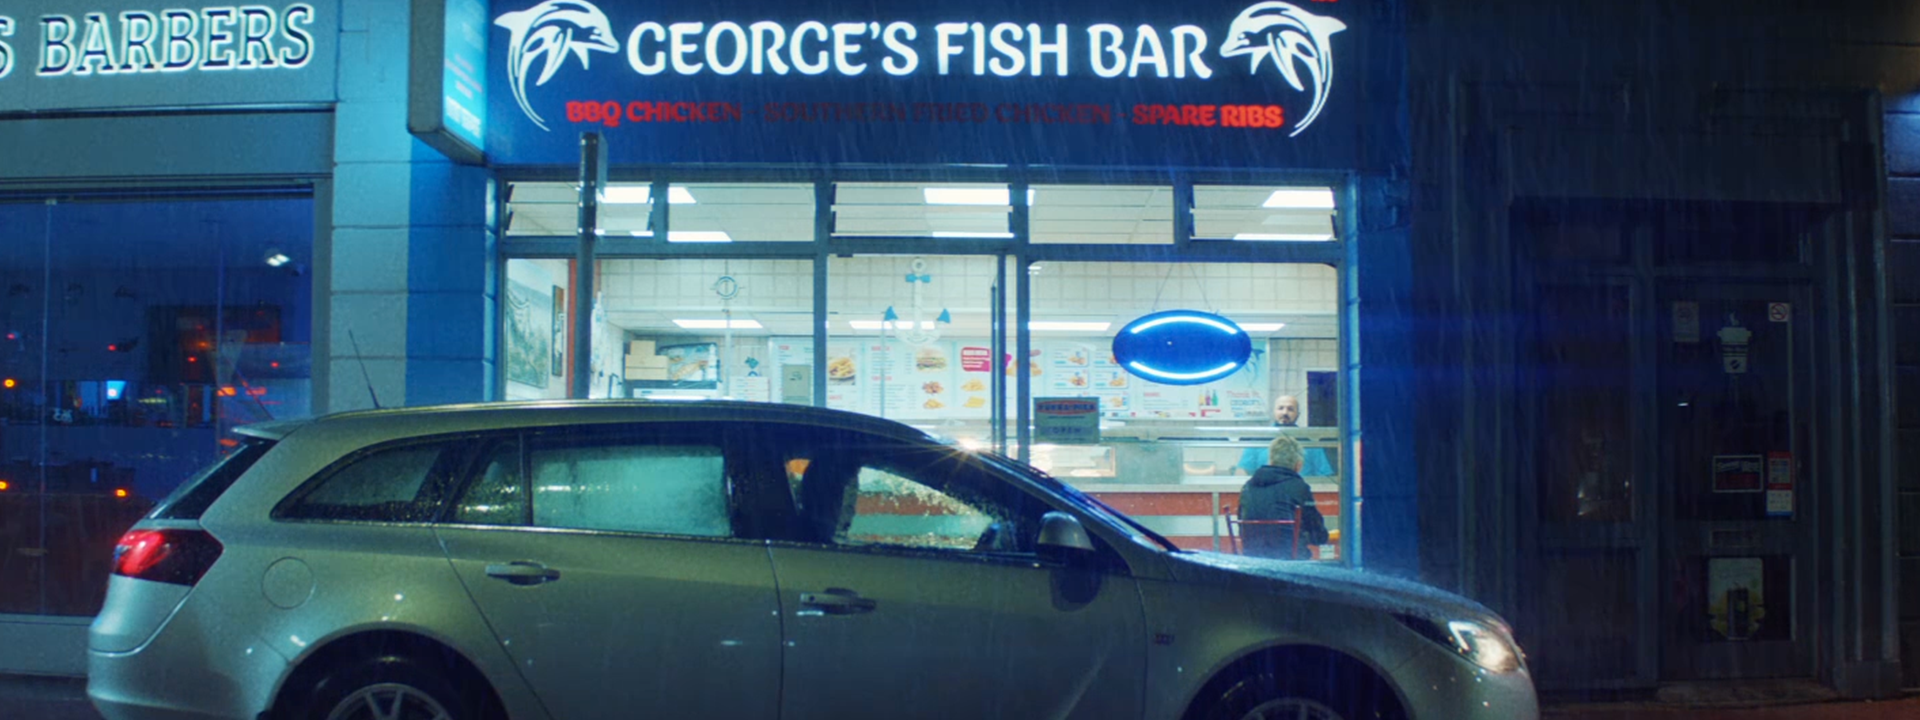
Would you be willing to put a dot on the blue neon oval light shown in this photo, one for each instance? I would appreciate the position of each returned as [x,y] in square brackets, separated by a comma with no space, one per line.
[1182,347]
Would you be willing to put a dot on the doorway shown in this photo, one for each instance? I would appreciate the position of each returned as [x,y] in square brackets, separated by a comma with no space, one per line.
[1734,454]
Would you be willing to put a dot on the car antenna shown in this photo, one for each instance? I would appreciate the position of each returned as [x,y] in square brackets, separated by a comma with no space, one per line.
[363,369]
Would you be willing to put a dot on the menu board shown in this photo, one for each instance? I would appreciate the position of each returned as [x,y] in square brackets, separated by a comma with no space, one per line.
[950,379]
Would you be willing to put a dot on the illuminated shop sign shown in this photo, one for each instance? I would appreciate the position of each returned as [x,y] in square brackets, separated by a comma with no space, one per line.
[1182,347]
[54,55]
[1241,84]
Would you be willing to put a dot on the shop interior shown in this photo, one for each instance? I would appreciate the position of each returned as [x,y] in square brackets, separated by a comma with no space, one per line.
[910,335]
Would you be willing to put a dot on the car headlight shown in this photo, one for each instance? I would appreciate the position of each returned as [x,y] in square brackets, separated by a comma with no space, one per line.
[1489,647]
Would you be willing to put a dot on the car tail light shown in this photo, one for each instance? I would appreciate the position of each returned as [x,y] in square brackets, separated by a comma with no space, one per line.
[169,556]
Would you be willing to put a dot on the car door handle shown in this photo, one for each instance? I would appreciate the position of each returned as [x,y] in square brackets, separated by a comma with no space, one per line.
[523,572]
[834,601]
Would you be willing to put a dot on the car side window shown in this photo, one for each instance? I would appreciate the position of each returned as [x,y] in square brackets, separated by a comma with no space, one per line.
[497,496]
[858,491]
[674,489]
[402,484]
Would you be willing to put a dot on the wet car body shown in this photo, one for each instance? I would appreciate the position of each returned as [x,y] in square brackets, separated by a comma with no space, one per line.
[1067,611]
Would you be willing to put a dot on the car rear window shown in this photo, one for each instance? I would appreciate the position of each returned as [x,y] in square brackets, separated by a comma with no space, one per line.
[395,484]
[198,493]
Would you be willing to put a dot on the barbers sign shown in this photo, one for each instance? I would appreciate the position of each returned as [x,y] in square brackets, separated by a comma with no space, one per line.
[1232,84]
[66,55]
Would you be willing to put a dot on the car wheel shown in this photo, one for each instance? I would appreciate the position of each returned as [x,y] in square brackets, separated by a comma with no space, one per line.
[392,687]
[1289,695]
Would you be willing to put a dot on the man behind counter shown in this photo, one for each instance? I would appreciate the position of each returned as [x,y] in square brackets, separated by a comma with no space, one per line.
[1286,413]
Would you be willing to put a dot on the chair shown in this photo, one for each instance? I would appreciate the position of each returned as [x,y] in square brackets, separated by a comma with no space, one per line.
[1234,522]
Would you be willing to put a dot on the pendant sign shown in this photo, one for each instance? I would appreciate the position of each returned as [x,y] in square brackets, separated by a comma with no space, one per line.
[1734,341]
[1182,347]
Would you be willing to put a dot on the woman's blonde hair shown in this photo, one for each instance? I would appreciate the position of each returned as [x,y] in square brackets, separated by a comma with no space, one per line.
[1285,452]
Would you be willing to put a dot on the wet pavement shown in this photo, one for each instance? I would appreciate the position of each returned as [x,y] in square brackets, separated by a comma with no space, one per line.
[1898,709]
[41,698]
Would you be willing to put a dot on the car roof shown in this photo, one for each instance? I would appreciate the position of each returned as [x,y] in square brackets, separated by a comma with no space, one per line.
[470,417]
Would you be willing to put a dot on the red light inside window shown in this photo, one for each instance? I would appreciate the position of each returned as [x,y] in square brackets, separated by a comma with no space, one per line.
[9,383]
[276,363]
[4,486]
[113,348]
[120,492]
[192,358]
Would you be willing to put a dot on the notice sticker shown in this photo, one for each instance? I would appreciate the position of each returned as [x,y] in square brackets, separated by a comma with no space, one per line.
[1779,484]
[1737,473]
[1686,322]
[1779,312]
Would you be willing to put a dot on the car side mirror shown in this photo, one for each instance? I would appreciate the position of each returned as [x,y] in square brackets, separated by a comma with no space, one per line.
[1062,537]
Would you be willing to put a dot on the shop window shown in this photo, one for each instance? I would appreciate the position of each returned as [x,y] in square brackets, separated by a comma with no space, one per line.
[741,212]
[1206,440]
[713,328]
[1102,214]
[1583,379]
[1264,214]
[945,211]
[135,334]
[552,209]
[910,339]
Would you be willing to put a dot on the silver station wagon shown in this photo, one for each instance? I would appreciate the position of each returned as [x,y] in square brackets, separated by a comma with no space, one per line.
[581,560]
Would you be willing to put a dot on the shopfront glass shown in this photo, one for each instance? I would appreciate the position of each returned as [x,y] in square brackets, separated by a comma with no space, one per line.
[921,324]
[1177,456]
[134,335]
[682,328]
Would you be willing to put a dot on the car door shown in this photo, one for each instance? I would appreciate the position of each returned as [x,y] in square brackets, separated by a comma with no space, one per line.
[608,566]
[910,588]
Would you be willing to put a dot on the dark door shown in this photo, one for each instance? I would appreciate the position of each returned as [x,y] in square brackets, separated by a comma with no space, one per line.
[1737,539]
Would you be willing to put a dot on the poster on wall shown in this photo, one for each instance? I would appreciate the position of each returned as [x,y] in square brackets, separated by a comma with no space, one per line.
[1736,596]
[529,335]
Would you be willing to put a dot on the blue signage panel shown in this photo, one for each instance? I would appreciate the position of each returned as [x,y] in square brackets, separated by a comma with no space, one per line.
[1182,347]
[1214,83]
[117,54]
[463,93]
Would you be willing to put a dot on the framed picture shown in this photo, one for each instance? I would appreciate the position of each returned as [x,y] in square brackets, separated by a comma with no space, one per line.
[529,335]
[559,330]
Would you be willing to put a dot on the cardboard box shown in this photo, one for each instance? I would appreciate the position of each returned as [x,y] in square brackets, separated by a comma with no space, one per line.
[647,373]
[642,348]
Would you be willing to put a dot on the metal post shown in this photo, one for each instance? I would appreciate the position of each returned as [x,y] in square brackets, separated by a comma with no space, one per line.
[822,233]
[997,346]
[1022,345]
[593,178]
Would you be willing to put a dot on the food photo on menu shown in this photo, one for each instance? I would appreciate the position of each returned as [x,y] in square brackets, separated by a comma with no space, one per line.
[931,358]
[841,369]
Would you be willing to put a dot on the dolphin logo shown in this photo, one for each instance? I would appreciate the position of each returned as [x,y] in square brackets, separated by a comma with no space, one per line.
[1287,35]
[550,31]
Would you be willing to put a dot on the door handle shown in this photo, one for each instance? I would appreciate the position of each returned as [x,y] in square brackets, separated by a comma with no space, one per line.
[834,601]
[523,572]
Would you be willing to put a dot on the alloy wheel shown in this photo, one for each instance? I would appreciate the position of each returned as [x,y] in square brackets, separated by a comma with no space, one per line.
[389,701]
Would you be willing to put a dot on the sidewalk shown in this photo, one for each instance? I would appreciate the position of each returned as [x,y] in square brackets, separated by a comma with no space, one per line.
[1901,709]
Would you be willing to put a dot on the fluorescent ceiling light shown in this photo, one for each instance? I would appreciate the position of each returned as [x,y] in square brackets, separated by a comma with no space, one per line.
[971,196]
[1261,327]
[690,236]
[278,259]
[1285,237]
[715,324]
[638,194]
[955,234]
[1068,325]
[1301,199]
[885,325]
